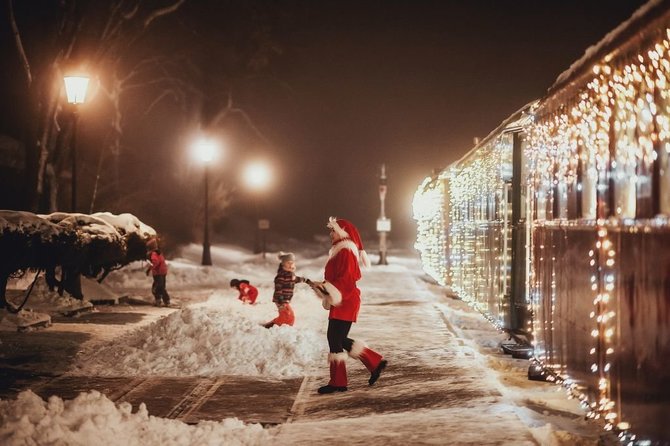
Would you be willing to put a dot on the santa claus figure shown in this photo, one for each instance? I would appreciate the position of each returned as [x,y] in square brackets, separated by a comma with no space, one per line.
[342,298]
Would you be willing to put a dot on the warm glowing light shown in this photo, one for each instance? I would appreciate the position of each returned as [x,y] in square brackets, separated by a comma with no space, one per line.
[257,175]
[205,150]
[431,228]
[75,88]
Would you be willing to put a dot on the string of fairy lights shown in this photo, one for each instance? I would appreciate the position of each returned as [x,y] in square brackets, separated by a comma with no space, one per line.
[614,132]
[462,240]
[602,147]
[430,218]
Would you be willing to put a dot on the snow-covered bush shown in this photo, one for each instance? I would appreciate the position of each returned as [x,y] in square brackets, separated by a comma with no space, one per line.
[85,244]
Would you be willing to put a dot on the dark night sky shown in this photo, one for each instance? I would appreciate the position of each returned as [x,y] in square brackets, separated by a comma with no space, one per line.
[406,83]
[409,84]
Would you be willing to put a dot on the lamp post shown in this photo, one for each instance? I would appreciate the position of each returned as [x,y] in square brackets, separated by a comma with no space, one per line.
[205,150]
[75,89]
[257,176]
[383,223]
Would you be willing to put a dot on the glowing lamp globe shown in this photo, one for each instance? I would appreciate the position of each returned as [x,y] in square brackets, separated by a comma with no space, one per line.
[205,150]
[75,88]
[257,176]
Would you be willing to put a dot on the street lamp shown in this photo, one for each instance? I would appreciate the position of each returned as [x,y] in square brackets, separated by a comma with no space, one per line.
[205,151]
[75,89]
[257,176]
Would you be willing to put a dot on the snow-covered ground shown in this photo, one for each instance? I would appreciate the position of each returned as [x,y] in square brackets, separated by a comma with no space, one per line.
[218,335]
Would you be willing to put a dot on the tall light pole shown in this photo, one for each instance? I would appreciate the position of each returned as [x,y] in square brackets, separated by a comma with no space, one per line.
[383,223]
[75,89]
[206,150]
[257,176]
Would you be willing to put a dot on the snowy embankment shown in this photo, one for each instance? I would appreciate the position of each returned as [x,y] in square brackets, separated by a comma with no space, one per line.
[92,418]
[221,336]
[208,340]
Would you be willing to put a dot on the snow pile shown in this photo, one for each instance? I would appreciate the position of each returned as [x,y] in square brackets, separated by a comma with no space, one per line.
[22,320]
[92,418]
[50,302]
[208,340]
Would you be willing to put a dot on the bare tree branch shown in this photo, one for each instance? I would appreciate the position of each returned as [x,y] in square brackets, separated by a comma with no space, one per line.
[137,69]
[19,44]
[130,14]
[230,108]
[223,112]
[162,11]
[251,125]
[165,93]
[113,9]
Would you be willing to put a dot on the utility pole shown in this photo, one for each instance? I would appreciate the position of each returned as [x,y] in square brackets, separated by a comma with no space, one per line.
[206,252]
[383,223]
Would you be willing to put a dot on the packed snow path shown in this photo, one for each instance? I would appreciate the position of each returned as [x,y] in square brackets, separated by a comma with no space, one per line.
[434,391]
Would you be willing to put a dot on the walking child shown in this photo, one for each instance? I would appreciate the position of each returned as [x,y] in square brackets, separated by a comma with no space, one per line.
[158,269]
[285,281]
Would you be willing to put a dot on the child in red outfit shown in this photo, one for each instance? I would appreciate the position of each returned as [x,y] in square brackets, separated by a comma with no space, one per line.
[285,281]
[158,270]
[248,292]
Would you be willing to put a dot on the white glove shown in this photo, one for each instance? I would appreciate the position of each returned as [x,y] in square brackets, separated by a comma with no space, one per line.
[321,292]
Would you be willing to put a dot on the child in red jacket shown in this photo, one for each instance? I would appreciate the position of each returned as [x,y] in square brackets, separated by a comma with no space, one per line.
[248,292]
[158,269]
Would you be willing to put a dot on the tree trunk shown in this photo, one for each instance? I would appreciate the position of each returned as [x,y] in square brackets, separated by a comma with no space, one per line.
[4,277]
[71,282]
[50,277]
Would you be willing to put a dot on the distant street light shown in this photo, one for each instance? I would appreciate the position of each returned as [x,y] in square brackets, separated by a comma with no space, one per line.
[257,176]
[205,151]
[75,89]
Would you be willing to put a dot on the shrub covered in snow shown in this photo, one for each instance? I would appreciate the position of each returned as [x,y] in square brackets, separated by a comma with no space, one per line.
[77,243]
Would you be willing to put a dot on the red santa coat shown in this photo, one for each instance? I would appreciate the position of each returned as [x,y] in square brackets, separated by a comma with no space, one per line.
[342,273]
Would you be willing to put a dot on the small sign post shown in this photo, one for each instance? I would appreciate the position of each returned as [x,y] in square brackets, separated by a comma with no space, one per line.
[263,226]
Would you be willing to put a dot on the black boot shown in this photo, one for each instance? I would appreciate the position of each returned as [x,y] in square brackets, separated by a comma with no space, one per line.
[374,376]
[331,389]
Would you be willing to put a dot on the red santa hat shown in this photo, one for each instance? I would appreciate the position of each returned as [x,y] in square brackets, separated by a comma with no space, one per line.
[346,229]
